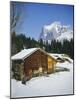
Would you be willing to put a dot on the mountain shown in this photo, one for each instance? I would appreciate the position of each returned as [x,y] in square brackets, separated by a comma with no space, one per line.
[56,31]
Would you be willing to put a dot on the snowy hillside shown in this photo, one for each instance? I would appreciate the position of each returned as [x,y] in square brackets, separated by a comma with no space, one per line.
[56,31]
[59,83]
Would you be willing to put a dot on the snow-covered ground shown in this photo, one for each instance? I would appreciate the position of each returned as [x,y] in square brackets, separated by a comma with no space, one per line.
[59,83]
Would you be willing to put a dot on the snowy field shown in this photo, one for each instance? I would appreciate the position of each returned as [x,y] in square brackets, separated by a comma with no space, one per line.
[59,83]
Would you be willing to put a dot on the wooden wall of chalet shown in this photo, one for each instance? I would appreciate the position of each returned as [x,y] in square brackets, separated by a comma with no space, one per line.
[34,62]
[51,64]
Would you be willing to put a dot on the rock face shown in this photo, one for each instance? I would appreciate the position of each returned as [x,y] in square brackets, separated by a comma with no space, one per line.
[56,31]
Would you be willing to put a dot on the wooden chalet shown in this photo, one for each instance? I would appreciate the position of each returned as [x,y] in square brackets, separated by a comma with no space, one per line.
[34,61]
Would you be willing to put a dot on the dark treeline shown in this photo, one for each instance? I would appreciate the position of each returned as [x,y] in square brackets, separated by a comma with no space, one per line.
[66,47]
[20,42]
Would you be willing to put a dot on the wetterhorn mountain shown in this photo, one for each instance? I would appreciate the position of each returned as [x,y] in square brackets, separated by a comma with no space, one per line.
[56,31]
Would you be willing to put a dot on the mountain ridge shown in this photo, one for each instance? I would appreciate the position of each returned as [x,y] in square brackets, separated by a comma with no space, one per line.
[56,31]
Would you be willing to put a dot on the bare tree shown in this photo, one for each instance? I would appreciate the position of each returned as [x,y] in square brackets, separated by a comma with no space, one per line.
[17,15]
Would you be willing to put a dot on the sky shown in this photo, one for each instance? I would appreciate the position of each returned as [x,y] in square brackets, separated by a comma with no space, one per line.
[36,15]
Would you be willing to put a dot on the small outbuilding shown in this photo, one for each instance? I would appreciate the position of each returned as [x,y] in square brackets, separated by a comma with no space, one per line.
[33,61]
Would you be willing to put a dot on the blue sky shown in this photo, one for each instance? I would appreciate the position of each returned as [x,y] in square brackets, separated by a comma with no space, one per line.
[38,15]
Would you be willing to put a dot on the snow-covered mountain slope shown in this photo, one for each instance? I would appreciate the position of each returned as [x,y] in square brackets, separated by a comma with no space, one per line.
[56,31]
[66,35]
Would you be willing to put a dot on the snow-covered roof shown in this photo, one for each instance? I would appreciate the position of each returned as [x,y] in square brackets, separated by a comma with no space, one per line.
[24,54]
[61,56]
[27,52]
[54,55]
